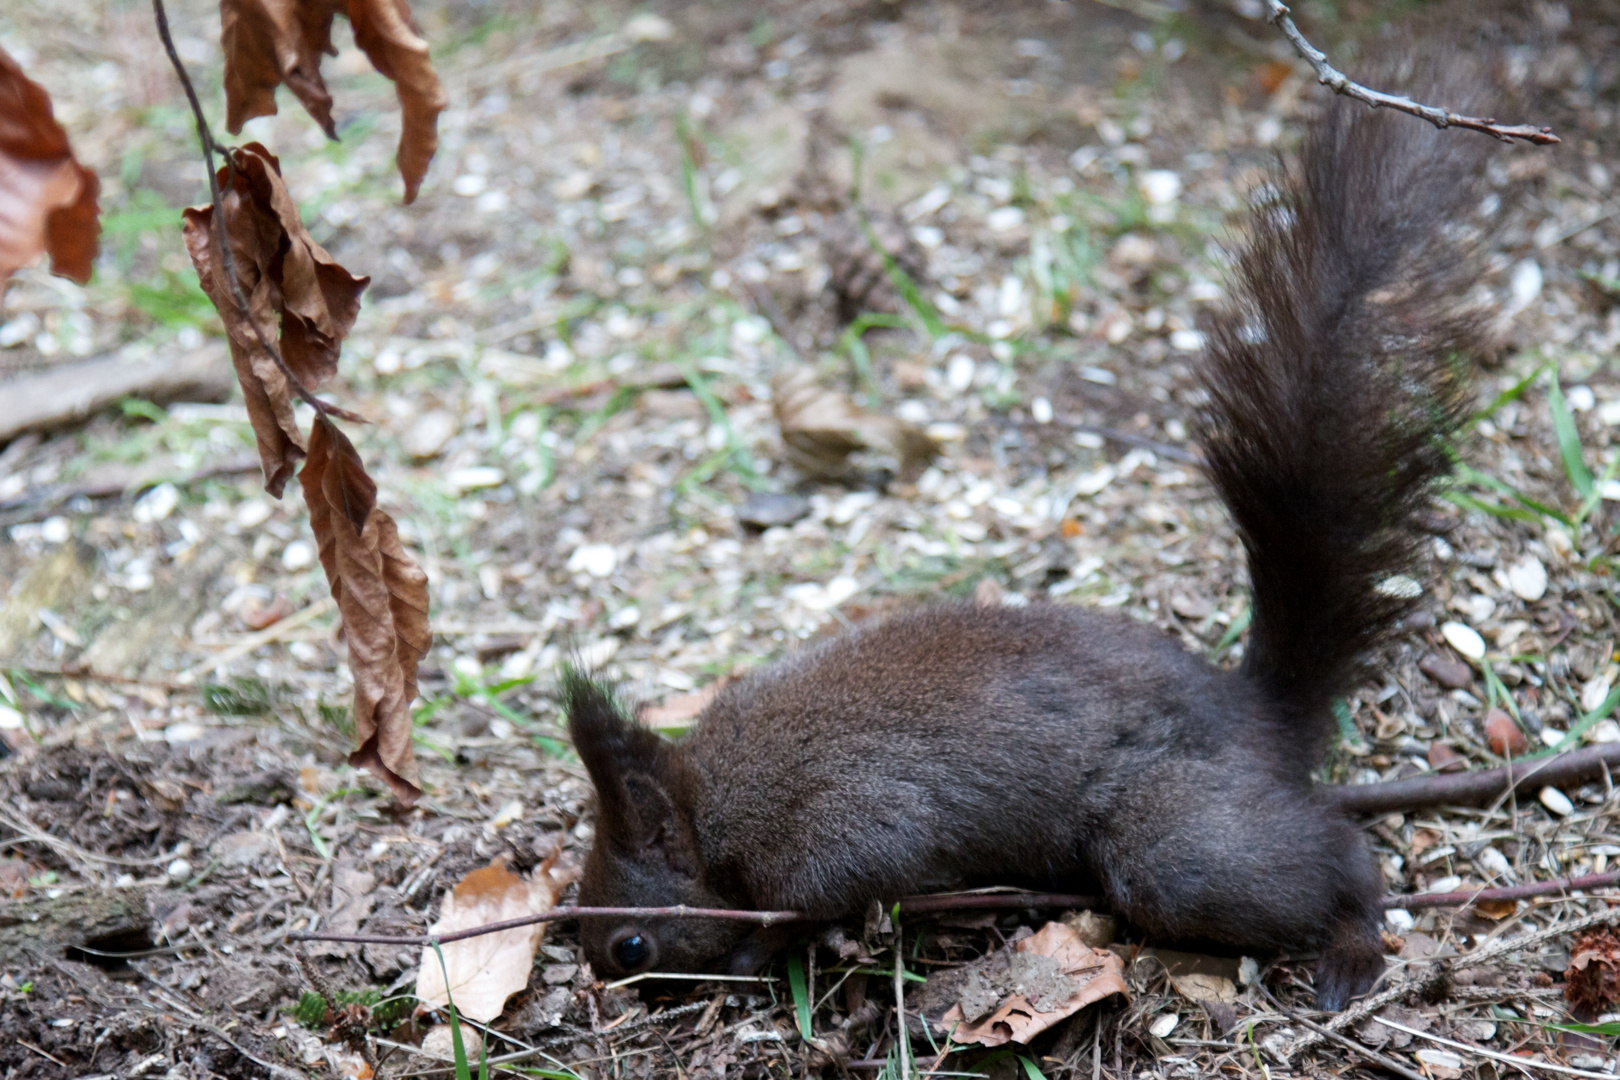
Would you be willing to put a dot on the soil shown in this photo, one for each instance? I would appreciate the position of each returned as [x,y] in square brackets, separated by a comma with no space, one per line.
[639,216]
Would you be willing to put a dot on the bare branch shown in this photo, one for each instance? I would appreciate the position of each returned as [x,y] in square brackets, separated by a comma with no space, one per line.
[1465,897]
[1340,83]
[1479,786]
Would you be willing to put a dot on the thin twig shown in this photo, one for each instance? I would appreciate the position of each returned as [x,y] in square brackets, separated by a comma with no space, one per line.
[1523,1063]
[1464,897]
[1479,786]
[221,230]
[1383,1061]
[1340,83]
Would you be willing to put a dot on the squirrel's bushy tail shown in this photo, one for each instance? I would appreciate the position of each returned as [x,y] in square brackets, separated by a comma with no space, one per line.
[1333,379]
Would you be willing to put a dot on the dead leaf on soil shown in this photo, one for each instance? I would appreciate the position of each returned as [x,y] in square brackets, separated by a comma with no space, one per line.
[383,597]
[295,291]
[47,199]
[821,428]
[683,709]
[386,33]
[270,42]
[1021,990]
[353,897]
[484,971]
[1592,982]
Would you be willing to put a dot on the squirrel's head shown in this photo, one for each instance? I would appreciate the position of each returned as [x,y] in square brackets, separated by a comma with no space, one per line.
[646,852]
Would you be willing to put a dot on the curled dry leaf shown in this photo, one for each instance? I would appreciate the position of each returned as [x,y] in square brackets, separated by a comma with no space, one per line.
[383,597]
[821,428]
[1022,989]
[480,973]
[295,291]
[270,42]
[385,31]
[47,199]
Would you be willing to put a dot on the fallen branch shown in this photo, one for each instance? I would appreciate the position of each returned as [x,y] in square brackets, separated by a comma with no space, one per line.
[1465,897]
[63,396]
[1480,786]
[1340,83]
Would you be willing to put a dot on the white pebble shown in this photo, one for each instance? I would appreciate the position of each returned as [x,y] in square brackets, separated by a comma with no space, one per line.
[597,560]
[1580,398]
[1604,731]
[1040,410]
[1524,284]
[469,184]
[298,555]
[1595,692]
[252,514]
[478,476]
[1399,920]
[1494,863]
[180,869]
[1559,541]
[184,732]
[1094,481]
[1440,1059]
[1528,579]
[157,504]
[1164,1024]
[1465,639]
[1556,801]
[1159,187]
[1005,218]
[959,372]
[10,719]
[1186,340]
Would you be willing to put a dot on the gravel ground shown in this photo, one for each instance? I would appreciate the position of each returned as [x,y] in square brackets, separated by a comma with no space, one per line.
[638,222]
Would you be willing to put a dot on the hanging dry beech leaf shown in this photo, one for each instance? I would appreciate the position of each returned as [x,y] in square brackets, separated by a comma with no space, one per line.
[484,971]
[294,289]
[383,597]
[270,42]
[47,199]
[1020,990]
[821,428]
[385,31]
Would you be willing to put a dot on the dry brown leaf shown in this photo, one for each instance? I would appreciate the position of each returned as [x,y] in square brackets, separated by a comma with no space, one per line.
[480,973]
[386,33]
[681,710]
[383,597]
[47,199]
[821,428]
[1036,982]
[296,292]
[270,42]
[1592,981]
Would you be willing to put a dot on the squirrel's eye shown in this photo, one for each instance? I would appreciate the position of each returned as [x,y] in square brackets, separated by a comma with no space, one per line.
[632,952]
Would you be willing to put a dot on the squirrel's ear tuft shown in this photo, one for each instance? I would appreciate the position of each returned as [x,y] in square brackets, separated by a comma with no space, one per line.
[612,746]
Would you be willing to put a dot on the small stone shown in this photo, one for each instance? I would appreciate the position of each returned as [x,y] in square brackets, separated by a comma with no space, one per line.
[184,732]
[10,719]
[1493,863]
[1440,1059]
[298,555]
[1450,673]
[427,437]
[1503,734]
[468,185]
[1604,731]
[157,504]
[1159,187]
[1528,579]
[1556,801]
[1465,639]
[1399,920]
[597,560]
[1164,1024]
[252,514]
[179,869]
[1005,218]
[648,27]
[475,477]
[769,509]
[1595,693]
[1443,758]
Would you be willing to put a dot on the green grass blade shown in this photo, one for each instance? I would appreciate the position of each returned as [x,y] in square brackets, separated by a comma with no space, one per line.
[1031,1070]
[1233,632]
[800,989]
[1569,440]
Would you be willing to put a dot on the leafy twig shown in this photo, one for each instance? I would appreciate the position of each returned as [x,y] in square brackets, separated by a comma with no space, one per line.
[1278,15]
[205,137]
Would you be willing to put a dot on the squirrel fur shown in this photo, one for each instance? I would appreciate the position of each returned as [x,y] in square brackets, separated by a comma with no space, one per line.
[1053,747]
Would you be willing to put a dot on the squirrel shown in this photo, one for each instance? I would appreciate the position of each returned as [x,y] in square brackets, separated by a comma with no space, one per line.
[1053,747]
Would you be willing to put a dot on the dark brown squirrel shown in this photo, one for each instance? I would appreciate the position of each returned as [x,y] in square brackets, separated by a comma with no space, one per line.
[1057,748]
